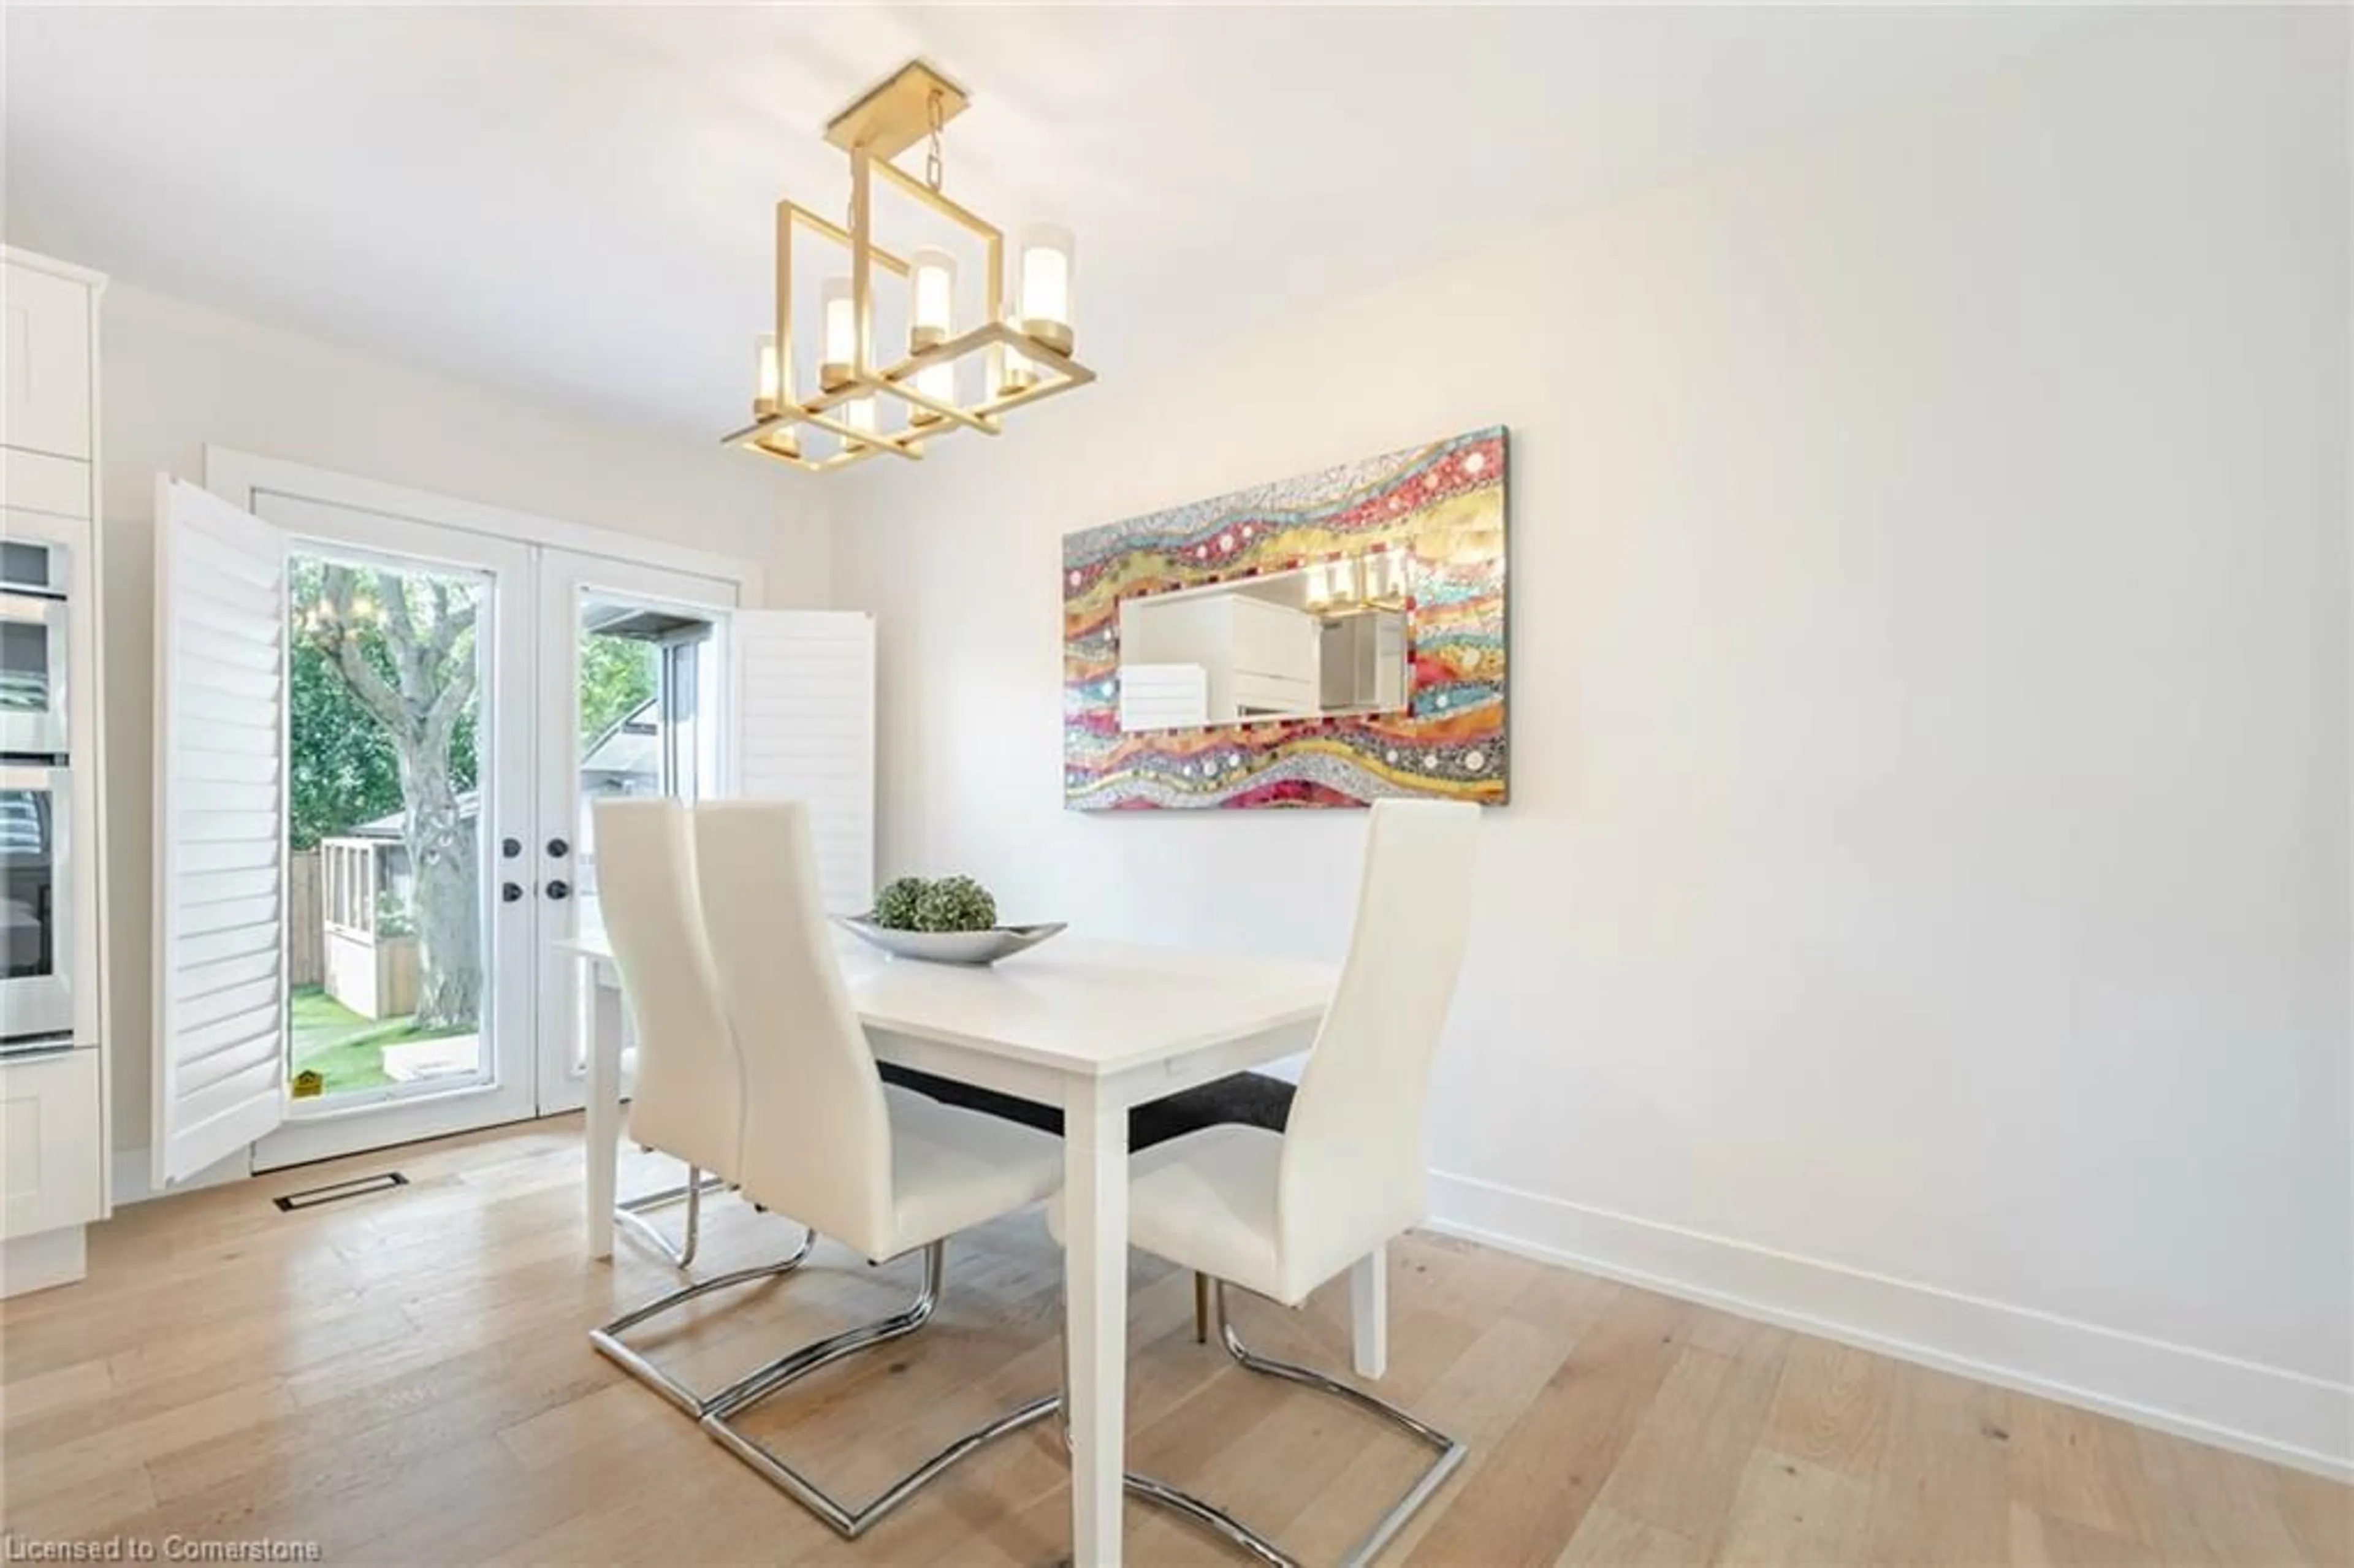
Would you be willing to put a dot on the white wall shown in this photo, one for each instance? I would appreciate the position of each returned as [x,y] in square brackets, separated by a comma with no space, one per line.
[176,377]
[1923,910]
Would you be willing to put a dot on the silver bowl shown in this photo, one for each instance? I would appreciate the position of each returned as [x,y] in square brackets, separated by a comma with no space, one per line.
[977,947]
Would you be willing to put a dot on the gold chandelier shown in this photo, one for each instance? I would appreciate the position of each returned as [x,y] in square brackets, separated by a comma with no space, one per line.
[1020,351]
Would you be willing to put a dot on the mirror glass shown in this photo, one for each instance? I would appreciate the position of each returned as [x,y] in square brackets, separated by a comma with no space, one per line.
[1327,637]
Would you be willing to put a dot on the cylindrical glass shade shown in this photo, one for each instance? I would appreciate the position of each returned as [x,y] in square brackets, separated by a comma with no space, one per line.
[1043,302]
[1342,581]
[1016,371]
[932,296]
[859,413]
[1315,587]
[937,382]
[841,333]
[768,377]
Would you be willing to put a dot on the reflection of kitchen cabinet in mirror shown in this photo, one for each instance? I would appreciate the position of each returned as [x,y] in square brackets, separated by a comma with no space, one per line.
[1324,638]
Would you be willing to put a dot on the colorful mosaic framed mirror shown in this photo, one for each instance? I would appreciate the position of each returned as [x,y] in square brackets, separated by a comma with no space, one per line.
[1324,641]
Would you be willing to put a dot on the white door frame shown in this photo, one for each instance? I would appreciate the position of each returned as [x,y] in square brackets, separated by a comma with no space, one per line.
[236,477]
[625,562]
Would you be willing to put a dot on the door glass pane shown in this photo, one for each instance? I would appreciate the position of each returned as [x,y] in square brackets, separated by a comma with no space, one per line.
[27,566]
[386,920]
[28,899]
[647,672]
[25,671]
[644,671]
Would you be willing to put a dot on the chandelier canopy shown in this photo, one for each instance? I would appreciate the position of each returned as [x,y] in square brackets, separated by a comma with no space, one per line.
[876,393]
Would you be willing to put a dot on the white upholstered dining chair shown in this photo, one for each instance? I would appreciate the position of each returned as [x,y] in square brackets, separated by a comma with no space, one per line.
[885,1170]
[1279,1213]
[688,1101]
[685,1103]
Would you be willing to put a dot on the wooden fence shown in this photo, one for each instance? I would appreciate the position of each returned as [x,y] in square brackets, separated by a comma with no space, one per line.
[306,929]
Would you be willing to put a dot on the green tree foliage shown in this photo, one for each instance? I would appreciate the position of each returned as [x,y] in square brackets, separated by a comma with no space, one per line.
[344,770]
[616,674]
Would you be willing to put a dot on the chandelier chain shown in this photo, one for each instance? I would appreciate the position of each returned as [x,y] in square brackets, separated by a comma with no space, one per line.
[935,164]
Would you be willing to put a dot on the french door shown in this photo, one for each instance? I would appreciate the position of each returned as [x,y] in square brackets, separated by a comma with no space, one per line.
[634,672]
[379,740]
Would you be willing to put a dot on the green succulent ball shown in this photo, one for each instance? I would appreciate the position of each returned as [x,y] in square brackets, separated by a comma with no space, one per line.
[896,905]
[955,904]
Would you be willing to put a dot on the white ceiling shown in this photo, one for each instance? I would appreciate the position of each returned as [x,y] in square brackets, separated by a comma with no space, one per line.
[575,203]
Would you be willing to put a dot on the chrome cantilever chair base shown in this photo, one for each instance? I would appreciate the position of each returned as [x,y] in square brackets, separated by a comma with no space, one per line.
[849,1522]
[1224,1525]
[630,1214]
[607,1340]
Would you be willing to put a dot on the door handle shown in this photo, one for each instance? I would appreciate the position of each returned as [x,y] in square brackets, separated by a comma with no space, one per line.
[509,893]
[510,848]
[557,849]
[559,890]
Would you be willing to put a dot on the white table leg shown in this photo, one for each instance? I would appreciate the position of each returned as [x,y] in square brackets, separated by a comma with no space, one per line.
[1369,1311]
[1094,1243]
[604,1103]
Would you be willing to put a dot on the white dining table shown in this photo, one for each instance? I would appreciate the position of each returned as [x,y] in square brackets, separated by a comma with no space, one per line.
[1092,1026]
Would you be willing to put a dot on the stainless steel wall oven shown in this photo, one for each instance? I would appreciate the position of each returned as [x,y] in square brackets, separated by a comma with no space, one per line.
[38,966]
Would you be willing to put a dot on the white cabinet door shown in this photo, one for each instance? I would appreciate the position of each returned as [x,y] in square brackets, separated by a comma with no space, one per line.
[1272,640]
[45,363]
[1255,695]
[49,1142]
[37,482]
[1164,696]
[1388,686]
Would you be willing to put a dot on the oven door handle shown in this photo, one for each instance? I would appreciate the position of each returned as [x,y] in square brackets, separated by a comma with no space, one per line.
[37,1048]
[36,775]
[32,609]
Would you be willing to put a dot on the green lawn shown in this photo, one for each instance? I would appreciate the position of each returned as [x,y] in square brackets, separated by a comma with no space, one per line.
[344,1048]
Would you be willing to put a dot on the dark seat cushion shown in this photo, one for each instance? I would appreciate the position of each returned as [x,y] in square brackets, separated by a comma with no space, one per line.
[1254,1099]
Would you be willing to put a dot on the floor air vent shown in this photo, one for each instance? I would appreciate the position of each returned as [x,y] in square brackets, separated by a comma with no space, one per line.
[358,1187]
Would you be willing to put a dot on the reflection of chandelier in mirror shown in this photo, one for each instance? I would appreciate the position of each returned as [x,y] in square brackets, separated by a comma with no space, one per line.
[1023,343]
[1351,585]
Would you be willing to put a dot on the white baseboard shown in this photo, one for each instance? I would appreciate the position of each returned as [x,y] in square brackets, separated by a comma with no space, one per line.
[2268,1411]
[133,1169]
[42,1261]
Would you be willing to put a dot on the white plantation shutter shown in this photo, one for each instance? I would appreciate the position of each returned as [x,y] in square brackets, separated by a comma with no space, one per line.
[804,702]
[220,829]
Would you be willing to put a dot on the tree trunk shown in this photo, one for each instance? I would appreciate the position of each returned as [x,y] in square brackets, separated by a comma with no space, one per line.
[446,895]
[419,701]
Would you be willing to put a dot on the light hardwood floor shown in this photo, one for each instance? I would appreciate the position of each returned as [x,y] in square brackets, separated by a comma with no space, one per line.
[405,1378]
